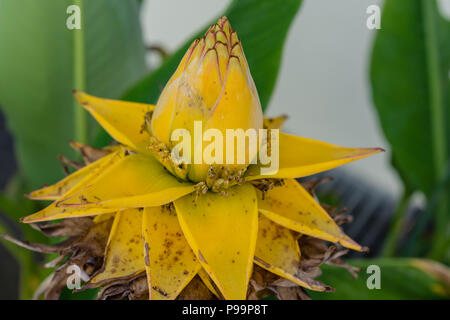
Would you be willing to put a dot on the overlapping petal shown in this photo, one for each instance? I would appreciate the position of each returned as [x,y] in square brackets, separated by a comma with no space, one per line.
[169,261]
[300,157]
[293,207]
[136,181]
[248,115]
[76,179]
[277,251]
[222,232]
[124,252]
[121,119]
[53,211]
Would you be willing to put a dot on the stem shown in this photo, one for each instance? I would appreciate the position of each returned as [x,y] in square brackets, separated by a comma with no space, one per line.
[392,237]
[437,120]
[81,125]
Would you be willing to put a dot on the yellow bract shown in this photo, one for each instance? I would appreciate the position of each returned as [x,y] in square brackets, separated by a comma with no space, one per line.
[213,85]
[277,251]
[293,207]
[59,189]
[136,181]
[226,116]
[124,254]
[277,248]
[122,120]
[54,211]
[170,262]
[222,232]
[300,157]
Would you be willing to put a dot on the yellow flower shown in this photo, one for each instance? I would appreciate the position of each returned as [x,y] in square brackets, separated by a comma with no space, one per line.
[185,232]
[213,85]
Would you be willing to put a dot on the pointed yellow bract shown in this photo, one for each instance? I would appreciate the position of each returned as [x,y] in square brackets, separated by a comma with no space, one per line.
[276,248]
[293,207]
[277,251]
[54,211]
[300,157]
[227,115]
[121,119]
[169,261]
[222,231]
[136,181]
[60,188]
[124,255]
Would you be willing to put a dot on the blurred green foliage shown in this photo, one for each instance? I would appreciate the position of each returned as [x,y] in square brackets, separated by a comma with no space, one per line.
[402,279]
[402,88]
[36,80]
[411,91]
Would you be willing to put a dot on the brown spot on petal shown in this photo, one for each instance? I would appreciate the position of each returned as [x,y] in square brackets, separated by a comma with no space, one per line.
[146,256]
[160,291]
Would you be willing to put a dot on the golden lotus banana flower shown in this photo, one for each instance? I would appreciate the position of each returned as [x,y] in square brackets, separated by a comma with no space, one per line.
[212,85]
[170,222]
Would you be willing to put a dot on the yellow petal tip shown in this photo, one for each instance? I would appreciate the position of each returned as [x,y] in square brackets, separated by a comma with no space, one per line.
[26,220]
[365,152]
[371,151]
[377,150]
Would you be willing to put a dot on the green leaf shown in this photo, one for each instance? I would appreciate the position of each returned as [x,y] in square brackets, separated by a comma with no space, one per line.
[36,78]
[262,26]
[411,87]
[411,90]
[400,279]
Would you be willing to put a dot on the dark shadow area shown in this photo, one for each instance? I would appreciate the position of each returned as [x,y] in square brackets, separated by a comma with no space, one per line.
[370,207]
[9,268]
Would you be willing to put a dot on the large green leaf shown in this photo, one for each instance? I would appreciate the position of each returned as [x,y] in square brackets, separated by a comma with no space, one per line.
[400,279]
[411,88]
[36,77]
[262,26]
